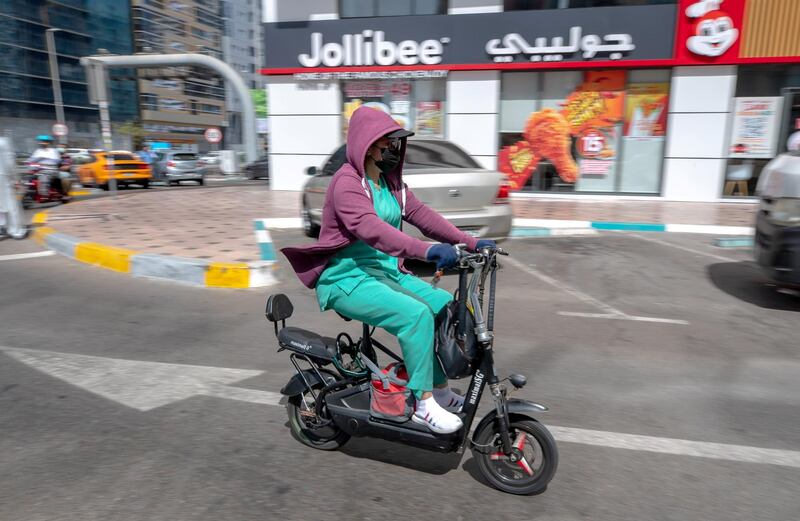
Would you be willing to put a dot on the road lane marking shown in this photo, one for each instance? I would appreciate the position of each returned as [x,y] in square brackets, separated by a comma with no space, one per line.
[20,256]
[610,311]
[633,318]
[677,447]
[684,248]
[147,385]
[563,287]
[137,384]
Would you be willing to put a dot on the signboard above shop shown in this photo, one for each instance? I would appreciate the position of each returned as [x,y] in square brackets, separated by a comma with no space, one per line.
[688,32]
[516,39]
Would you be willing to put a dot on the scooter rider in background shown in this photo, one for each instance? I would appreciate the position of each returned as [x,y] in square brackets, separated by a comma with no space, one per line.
[46,151]
[49,158]
[357,267]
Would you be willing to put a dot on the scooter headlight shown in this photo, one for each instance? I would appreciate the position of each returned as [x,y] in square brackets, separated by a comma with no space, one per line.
[786,211]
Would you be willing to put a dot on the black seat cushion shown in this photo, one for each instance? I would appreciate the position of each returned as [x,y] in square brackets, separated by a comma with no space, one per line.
[307,342]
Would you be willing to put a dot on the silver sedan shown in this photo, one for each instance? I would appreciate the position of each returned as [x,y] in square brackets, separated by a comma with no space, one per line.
[442,176]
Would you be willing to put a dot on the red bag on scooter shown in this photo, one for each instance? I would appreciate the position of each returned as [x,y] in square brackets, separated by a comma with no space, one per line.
[389,398]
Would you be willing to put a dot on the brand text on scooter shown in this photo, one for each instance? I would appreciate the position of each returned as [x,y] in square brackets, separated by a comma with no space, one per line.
[476,388]
[371,48]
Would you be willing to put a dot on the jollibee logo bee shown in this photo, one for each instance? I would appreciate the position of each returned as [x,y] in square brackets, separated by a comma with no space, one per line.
[714,32]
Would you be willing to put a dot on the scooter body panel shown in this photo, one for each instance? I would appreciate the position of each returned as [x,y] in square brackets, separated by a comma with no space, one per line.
[349,409]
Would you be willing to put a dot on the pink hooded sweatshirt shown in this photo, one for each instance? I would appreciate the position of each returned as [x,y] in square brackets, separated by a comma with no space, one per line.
[348,214]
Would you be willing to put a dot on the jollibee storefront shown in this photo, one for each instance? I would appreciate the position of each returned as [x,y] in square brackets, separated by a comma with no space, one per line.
[685,101]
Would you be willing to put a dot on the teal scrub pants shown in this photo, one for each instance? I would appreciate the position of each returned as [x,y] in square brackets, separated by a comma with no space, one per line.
[406,308]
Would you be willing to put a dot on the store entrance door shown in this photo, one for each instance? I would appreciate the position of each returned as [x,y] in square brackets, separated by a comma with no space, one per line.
[790,123]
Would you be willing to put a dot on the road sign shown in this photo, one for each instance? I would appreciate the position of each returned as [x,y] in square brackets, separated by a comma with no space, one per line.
[213,135]
[60,129]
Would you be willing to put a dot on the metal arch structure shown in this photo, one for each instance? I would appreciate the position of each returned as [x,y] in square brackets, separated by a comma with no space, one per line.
[96,64]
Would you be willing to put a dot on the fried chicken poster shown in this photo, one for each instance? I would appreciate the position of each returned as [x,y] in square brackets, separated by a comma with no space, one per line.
[588,115]
[646,110]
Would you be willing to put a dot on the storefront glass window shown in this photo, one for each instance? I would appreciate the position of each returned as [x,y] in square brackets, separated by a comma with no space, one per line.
[766,117]
[416,105]
[519,5]
[583,131]
[369,8]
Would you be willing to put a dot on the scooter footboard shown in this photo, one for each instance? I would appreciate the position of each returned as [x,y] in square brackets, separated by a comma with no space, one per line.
[349,409]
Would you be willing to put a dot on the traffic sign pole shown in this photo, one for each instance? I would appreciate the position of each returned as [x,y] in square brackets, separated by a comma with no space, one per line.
[60,130]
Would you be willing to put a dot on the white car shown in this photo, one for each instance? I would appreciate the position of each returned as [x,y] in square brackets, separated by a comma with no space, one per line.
[777,242]
[442,176]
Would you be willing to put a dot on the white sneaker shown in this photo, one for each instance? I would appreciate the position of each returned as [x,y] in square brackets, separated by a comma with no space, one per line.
[431,414]
[448,399]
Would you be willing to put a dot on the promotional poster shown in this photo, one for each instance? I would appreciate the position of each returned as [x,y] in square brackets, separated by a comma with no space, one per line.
[580,140]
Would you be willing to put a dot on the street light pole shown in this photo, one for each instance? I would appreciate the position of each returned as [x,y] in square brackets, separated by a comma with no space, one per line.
[55,78]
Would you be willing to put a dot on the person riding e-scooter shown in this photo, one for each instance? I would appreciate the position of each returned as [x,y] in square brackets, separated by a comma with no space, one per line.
[49,158]
[357,268]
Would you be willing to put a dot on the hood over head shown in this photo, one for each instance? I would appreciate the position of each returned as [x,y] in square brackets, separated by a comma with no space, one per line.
[367,125]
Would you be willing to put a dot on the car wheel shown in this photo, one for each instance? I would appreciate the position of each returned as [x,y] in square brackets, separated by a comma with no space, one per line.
[309,227]
[145,184]
[201,181]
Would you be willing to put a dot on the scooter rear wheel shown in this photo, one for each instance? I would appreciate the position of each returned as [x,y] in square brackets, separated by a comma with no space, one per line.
[532,465]
[302,419]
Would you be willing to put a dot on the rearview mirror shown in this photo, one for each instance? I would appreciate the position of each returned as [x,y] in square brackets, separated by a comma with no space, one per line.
[312,170]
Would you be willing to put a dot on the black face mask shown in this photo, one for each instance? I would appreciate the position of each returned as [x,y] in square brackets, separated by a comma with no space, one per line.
[389,160]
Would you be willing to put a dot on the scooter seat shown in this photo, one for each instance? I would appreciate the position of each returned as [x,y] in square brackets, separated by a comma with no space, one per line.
[308,343]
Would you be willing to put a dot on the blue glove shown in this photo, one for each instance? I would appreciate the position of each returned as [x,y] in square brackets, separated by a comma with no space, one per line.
[444,255]
[485,243]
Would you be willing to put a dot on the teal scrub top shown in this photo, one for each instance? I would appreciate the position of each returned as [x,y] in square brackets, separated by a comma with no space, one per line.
[348,268]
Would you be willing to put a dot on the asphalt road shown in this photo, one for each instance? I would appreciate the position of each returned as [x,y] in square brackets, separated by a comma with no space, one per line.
[658,335]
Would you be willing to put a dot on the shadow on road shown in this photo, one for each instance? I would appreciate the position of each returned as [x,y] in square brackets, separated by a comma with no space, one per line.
[401,455]
[744,281]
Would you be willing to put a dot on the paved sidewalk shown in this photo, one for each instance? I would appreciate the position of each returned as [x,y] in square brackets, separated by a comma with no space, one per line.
[636,211]
[224,225]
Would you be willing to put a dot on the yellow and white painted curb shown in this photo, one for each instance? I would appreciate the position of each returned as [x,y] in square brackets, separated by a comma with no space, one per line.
[196,272]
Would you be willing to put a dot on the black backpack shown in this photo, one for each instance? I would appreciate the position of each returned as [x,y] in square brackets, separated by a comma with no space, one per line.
[456,357]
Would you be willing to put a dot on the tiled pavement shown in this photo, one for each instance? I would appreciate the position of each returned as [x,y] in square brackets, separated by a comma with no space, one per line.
[217,223]
[637,211]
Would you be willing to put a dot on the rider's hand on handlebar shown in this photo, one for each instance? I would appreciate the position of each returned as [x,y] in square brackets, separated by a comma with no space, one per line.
[444,255]
[485,243]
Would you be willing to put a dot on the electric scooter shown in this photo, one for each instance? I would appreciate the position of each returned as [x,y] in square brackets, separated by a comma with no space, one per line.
[41,184]
[326,406]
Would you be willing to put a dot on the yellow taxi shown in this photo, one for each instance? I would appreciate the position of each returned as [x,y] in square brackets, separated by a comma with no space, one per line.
[96,167]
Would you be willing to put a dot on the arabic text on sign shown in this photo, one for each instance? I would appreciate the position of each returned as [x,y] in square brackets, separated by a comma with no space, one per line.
[513,44]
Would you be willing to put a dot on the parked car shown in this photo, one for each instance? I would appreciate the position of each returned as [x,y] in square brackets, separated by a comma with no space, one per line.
[258,168]
[174,166]
[211,162]
[442,176]
[93,169]
[777,242]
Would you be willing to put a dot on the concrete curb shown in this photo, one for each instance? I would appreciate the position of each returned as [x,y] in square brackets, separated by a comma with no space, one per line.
[637,227]
[555,227]
[194,272]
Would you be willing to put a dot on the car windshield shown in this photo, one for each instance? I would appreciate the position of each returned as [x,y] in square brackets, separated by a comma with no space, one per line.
[122,157]
[436,154]
[184,157]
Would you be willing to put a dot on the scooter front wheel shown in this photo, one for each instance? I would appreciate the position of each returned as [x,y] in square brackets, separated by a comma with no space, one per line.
[305,424]
[530,467]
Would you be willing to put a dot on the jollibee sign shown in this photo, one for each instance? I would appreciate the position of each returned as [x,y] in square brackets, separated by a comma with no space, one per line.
[709,31]
[688,32]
